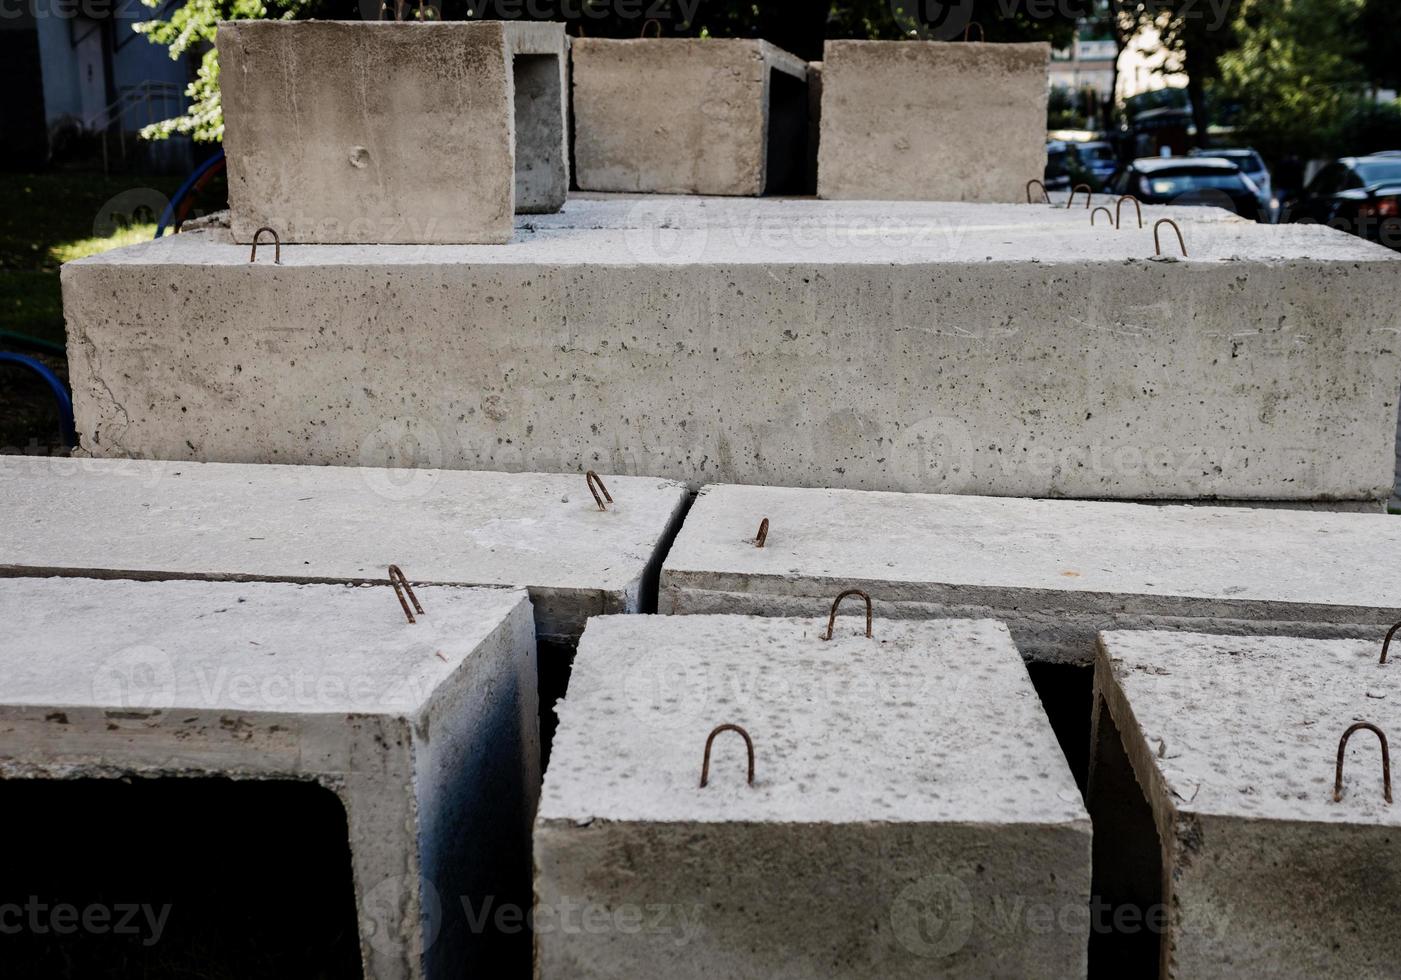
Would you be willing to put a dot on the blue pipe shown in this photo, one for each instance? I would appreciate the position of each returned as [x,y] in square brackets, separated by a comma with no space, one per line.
[60,392]
[168,215]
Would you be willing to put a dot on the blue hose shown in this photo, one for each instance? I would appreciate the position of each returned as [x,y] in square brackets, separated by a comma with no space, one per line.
[168,215]
[60,392]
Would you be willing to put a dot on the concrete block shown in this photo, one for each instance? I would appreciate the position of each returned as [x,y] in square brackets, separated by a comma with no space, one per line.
[687,116]
[909,809]
[996,349]
[426,732]
[151,519]
[1057,571]
[392,132]
[932,121]
[1234,743]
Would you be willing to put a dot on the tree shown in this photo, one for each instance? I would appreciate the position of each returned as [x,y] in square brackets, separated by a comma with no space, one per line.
[1296,73]
[190,30]
[1196,35]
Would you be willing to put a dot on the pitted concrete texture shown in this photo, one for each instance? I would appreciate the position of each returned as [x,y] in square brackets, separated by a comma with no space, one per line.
[151,519]
[1234,742]
[426,732]
[934,121]
[1057,571]
[392,132]
[680,115]
[908,791]
[1002,349]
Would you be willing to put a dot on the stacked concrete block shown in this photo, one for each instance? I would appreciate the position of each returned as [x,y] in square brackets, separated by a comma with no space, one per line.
[1056,571]
[686,116]
[425,731]
[157,520]
[1277,844]
[907,812]
[383,132]
[962,348]
[928,120]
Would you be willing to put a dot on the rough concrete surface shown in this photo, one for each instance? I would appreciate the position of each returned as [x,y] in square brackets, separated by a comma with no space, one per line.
[929,120]
[1057,571]
[412,726]
[152,519]
[680,115]
[909,806]
[1003,349]
[392,132]
[1234,741]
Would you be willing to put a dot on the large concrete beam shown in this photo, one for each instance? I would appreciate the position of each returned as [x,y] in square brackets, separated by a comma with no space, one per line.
[997,349]
[392,132]
[426,732]
[1233,741]
[932,121]
[157,520]
[1057,571]
[687,116]
[909,807]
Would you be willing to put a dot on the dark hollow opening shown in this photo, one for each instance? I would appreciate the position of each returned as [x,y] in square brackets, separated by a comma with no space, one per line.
[171,877]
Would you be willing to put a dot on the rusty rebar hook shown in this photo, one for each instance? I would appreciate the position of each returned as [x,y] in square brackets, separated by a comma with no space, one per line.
[276,246]
[650,22]
[763,534]
[1044,196]
[982,34]
[595,483]
[1095,213]
[1157,246]
[1118,216]
[401,585]
[1386,760]
[1386,644]
[748,745]
[832,619]
[1089,196]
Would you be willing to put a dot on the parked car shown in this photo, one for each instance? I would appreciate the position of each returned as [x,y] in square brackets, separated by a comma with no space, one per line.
[1191,180]
[1253,166]
[1097,159]
[1057,165]
[1360,195]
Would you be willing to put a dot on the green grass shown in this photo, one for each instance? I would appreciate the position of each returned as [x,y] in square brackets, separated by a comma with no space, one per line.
[52,218]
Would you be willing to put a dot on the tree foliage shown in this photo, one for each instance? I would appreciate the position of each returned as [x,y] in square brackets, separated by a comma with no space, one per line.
[190,31]
[1297,73]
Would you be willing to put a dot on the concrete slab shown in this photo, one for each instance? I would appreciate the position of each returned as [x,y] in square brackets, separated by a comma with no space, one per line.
[909,808]
[1002,349]
[392,132]
[1057,571]
[688,116]
[1234,741]
[929,120]
[159,520]
[412,726]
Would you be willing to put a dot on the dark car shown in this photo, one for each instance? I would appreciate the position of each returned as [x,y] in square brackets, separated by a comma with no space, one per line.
[1360,195]
[1193,181]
